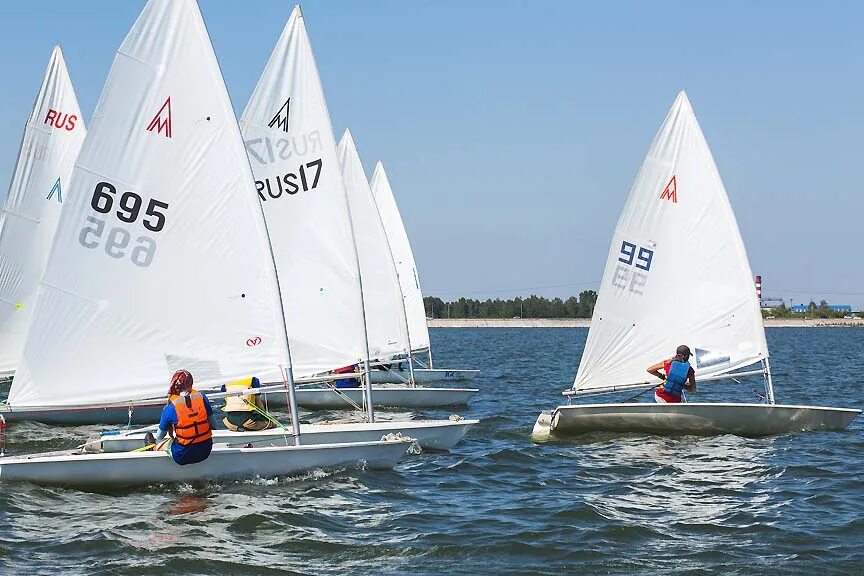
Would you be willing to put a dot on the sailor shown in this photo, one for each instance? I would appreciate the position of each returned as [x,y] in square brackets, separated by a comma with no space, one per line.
[188,421]
[677,374]
[240,409]
[347,382]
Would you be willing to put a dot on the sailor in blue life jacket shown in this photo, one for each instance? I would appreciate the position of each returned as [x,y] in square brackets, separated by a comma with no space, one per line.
[677,374]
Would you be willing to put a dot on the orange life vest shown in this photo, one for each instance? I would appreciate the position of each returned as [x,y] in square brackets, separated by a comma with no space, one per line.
[193,425]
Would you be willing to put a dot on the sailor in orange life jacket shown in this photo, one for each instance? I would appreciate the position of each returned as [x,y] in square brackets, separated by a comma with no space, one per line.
[240,412]
[188,417]
[677,374]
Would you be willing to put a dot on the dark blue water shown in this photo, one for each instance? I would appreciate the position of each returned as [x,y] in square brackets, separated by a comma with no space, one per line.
[498,503]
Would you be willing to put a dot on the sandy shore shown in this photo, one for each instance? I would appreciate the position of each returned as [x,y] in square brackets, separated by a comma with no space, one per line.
[585,323]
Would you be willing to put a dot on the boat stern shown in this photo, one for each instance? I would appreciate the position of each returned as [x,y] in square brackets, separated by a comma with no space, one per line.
[543,426]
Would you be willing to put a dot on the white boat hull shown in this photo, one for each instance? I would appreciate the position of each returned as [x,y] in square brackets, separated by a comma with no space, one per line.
[691,418]
[429,434]
[422,376]
[312,398]
[127,469]
[76,416]
[382,397]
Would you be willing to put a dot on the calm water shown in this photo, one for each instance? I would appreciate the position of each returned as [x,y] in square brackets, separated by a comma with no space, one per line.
[498,503]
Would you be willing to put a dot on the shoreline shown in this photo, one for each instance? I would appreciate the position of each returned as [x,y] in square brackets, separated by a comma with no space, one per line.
[586,322]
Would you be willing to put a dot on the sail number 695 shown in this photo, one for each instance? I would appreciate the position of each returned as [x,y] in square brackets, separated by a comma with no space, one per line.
[130,206]
[117,241]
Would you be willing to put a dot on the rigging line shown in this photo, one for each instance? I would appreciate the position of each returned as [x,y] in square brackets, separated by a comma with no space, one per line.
[272,419]
[638,394]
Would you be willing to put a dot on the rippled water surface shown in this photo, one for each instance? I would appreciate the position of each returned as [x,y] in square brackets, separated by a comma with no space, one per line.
[498,503]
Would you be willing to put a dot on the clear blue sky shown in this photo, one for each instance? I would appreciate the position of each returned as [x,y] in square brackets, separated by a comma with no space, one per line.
[512,131]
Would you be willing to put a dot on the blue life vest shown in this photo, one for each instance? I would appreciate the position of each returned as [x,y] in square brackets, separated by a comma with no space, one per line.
[677,377]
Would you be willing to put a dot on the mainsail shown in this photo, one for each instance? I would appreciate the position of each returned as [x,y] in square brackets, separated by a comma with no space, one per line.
[404,258]
[677,271]
[382,297]
[291,147]
[52,138]
[160,260]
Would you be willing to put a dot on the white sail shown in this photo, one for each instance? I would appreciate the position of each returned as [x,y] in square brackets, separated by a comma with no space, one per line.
[677,271]
[404,258]
[52,138]
[386,326]
[160,260]
[291,147]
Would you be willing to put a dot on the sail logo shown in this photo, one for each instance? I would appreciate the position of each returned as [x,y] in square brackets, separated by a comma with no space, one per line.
[253,341]
[671,191]
[56,188]
[162,120]
[280,120]
[60,120]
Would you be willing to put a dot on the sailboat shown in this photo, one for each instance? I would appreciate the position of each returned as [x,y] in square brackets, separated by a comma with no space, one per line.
[383,305]
[321,258]
[161,261]
[677,273]
[412,296]
[289,139]
[52,138]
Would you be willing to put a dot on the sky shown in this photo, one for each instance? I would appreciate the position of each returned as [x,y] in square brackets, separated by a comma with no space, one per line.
[512,131]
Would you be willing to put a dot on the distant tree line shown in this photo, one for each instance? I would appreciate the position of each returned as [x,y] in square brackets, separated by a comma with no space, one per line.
[531,307]
[814,310]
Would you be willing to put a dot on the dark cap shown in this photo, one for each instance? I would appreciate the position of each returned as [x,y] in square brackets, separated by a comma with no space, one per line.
[682,350]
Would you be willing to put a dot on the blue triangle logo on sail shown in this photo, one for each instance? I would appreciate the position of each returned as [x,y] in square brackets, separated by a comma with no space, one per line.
[707,358]
[56,188]
[279,120]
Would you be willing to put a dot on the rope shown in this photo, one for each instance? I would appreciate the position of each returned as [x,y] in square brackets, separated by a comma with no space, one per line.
[268,416]
[640,393]
[344,396]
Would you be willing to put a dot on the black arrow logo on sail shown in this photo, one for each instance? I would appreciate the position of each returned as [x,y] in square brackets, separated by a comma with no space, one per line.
[280,119]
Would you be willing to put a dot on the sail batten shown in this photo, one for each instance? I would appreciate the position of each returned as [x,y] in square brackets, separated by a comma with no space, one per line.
[677,270]
[160,260]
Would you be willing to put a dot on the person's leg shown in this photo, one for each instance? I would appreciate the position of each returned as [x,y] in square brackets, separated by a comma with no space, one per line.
[258,424]
[163,445]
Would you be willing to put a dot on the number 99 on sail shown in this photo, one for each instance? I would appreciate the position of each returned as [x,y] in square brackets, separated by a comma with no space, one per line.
[634,264]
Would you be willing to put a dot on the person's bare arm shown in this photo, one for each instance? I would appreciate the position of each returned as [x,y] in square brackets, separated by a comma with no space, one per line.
[691,381]
[657,370]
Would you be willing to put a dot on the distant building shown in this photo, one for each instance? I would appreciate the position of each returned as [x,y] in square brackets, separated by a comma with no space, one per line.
[800,308]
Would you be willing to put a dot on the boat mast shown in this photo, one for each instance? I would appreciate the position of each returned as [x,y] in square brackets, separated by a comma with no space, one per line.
[401,296]
[769,384]
[367,389]
[288,371]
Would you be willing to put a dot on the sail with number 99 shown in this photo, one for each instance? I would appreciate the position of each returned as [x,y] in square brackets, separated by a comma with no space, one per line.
[677,271]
